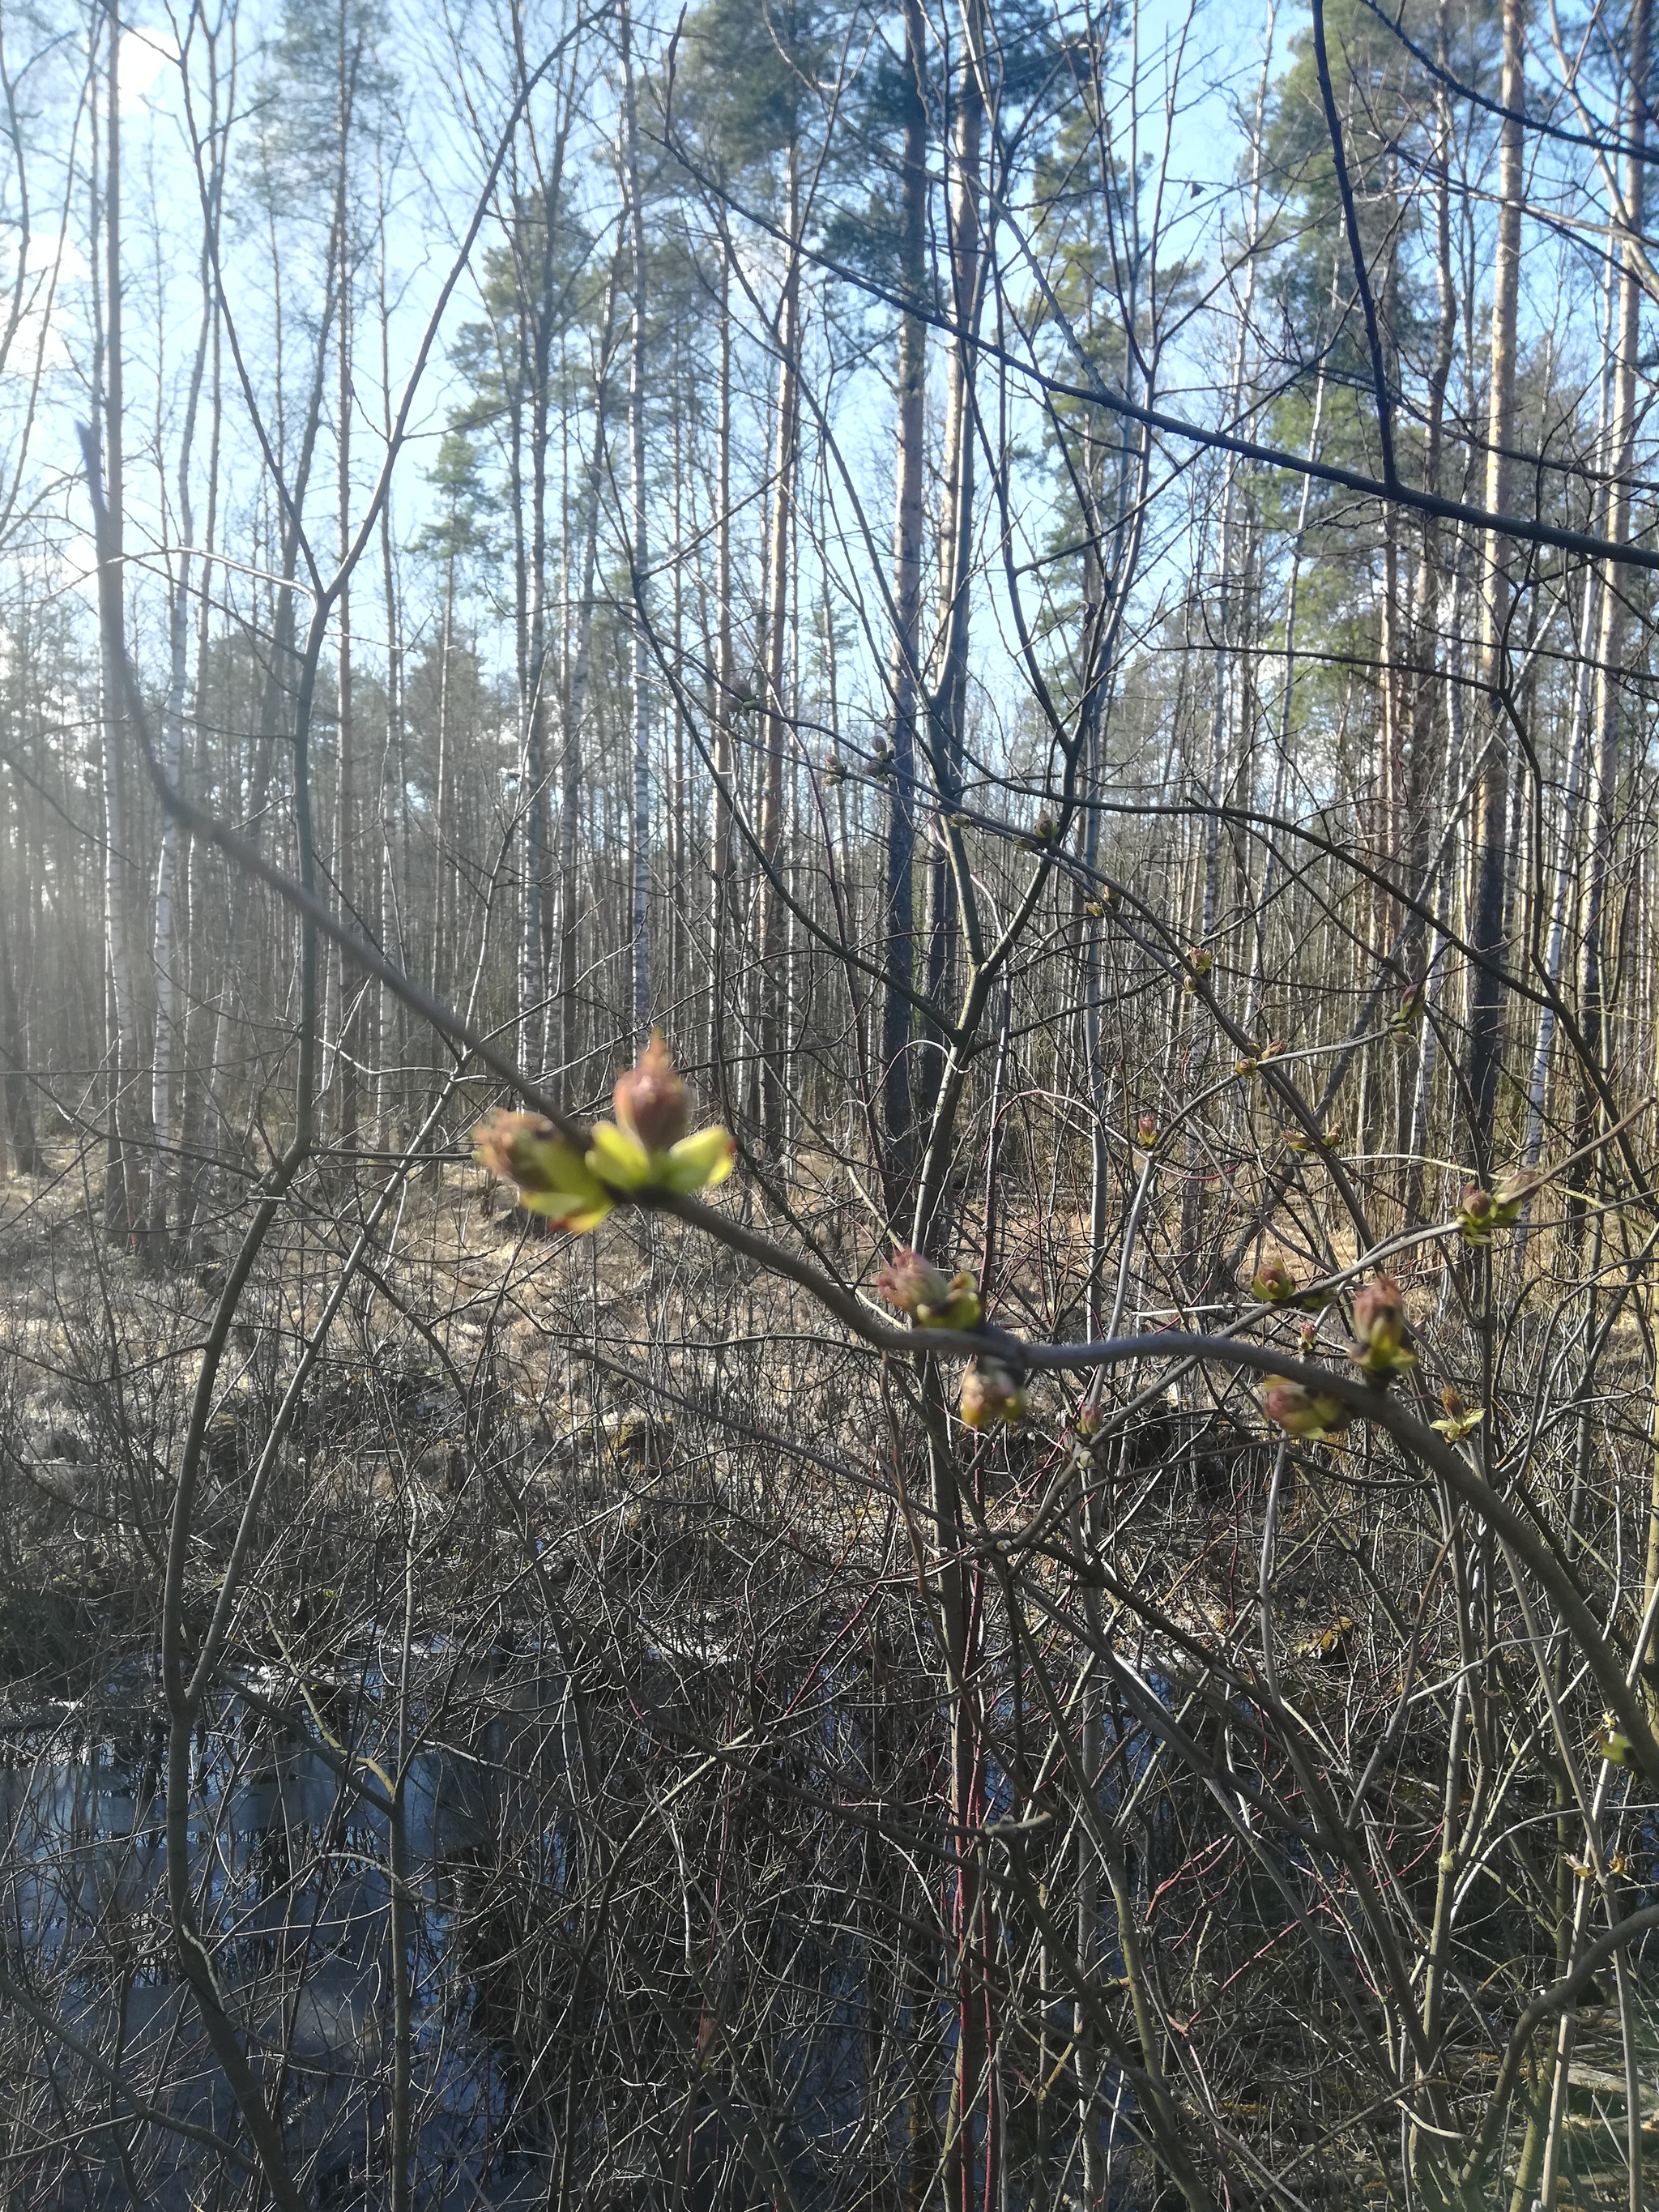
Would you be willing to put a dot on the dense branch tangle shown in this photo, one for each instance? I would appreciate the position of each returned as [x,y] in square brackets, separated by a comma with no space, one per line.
[1062,604]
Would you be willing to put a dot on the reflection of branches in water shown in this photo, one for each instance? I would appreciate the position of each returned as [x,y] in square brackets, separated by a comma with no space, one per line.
[294,1877]
[668,1753]
[647,1693]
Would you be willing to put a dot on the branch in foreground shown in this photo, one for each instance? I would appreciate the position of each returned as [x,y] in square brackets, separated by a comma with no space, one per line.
[1018,1354]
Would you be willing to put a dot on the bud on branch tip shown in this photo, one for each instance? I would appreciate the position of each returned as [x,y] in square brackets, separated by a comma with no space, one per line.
[1310,1416]
[1480,1212]
[1382,1339]
[553,1177]
[991,1393]
[932,1298]
[1274,1283]
[649,1150]
[1459,1417]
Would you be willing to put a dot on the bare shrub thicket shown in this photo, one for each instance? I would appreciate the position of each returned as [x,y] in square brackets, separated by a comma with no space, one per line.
[1060,598]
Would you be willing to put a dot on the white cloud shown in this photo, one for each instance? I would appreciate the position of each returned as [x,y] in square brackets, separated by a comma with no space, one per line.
[40,331]
[144,55]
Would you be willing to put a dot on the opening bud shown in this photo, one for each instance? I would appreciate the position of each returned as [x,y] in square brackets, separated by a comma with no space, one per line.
[1274,1283]
[1477,1214]
[650,1099]
[553,1178]
[646,1147]
[909,1281]
[1310,1416]
[1300,1140]
[1611,1743]
[959,1308]
[1510,1193]
[991,1395]
[1381,1348]
[931,1297]
[1459,1417]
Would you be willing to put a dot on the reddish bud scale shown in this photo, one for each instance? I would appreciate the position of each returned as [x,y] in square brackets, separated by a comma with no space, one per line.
[1382,1346]
[1308,1415]
[1274,1283]
[991,1394]
[650,1099]
[1460,1417]
[505,1145]
[909,1280]
[1477,1214]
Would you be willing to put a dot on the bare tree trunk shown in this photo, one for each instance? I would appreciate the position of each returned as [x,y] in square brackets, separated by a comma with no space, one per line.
[678,810]
[898,920]
[1287,698]
[575,698]
[947,705]
[532,978]
[1492,857]
[275,711]
[1426,691]
[640,983]
[380,1006]
[775,707]
[720,852]
[200,1098]
[345,805]
[1615,591]
[1568,851]
[442,780]
[14,1066]
[123,1204]
[173,747]
[1223,711]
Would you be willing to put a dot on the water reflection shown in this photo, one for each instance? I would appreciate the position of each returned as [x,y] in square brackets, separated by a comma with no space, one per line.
[291,1871]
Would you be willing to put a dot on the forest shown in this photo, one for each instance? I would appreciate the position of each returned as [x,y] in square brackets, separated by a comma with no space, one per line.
[829,1105]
